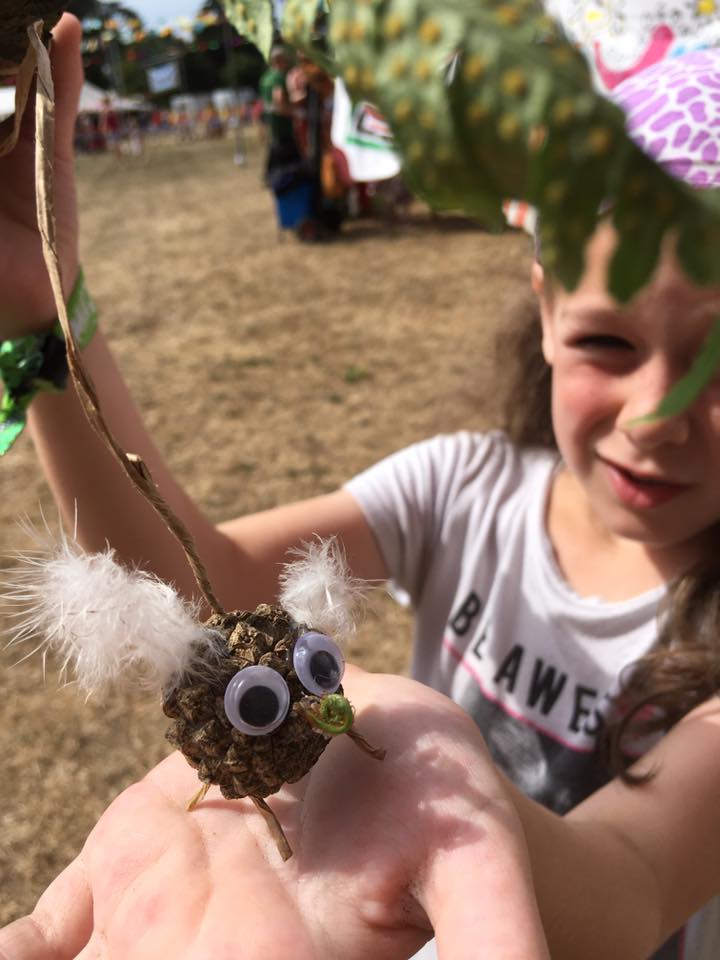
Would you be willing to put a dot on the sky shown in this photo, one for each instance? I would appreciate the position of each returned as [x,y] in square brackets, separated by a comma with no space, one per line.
[158,13]
[161,13]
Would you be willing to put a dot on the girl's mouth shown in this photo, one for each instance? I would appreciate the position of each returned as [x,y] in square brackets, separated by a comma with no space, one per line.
[641,491]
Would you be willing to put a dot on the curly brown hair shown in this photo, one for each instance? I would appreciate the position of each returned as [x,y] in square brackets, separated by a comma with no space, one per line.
[526,403]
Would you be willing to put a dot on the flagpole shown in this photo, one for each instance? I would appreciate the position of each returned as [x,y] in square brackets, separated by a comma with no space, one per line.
[239,155]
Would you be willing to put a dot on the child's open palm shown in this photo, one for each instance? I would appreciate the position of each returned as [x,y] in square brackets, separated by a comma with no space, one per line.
[382,851]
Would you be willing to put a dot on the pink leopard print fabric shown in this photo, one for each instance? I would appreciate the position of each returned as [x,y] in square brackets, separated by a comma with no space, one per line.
[673,114]
[622,37]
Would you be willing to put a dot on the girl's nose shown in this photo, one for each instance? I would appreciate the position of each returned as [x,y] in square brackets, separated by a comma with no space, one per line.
[638,420]
[649,433]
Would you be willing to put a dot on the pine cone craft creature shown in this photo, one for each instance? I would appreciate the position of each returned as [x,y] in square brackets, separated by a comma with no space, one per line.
[251,728]
[254,697]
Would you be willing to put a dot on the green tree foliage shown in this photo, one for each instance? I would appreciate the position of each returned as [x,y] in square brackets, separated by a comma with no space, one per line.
[84,8]
[223,58]
[110,67]
[216,57]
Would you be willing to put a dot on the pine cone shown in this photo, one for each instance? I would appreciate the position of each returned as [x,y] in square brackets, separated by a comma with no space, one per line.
[15,17]
[240,764]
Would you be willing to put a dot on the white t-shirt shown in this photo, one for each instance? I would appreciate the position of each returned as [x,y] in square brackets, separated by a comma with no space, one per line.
[460,521]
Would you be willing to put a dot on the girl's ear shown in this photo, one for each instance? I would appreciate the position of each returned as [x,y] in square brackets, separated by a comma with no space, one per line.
[541,290]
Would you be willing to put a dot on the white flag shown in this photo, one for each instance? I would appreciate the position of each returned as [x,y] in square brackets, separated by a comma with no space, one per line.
[365,138]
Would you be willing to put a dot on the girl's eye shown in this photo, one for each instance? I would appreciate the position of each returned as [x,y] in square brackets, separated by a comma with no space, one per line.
[318,663]
[602,341]
[257,700]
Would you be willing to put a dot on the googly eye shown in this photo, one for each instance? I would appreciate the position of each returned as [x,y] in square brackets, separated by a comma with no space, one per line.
[256,700]
[318,663]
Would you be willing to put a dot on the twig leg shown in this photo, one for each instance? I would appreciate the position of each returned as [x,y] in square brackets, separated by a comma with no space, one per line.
[275,829]
[377,753]
[197,797]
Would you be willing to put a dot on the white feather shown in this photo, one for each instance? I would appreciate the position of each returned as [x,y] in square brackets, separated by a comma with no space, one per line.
[107,623]
[317,589]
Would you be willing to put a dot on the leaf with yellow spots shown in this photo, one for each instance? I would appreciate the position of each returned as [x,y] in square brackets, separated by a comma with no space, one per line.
[252,19]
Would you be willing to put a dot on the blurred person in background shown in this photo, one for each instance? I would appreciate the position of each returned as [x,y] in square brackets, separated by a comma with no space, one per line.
[277,114]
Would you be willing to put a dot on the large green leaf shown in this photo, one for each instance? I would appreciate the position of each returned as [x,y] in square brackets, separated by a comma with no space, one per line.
[298,22]
[488,100]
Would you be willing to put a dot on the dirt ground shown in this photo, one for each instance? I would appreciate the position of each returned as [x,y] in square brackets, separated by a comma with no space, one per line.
[267,370]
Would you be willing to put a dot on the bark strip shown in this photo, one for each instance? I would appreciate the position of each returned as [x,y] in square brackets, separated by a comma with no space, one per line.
[133,465]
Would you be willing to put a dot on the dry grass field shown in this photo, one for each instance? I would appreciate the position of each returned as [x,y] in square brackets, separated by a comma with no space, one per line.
[267,370]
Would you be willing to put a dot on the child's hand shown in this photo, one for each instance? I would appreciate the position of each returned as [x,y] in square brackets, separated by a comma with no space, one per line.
[26,303]
[382,851]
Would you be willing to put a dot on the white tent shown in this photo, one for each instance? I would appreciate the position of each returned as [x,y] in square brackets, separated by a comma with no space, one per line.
[7,101]
[92,100]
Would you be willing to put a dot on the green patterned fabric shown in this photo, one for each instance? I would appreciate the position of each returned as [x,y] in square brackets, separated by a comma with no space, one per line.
[38,363]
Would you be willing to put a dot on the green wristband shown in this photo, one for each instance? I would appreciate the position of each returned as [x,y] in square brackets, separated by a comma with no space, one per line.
[38,363]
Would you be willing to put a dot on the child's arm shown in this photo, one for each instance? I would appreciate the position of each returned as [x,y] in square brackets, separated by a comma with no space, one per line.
[627,867]
[382,852]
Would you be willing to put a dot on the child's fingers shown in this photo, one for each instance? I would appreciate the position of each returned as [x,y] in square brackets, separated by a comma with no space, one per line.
[24,940]
[67,78]
[96,949]
[60,925]
[481,903]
